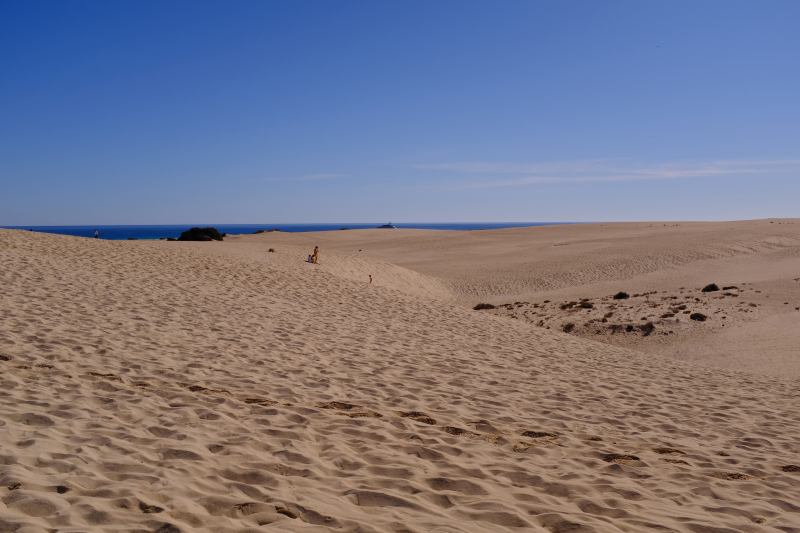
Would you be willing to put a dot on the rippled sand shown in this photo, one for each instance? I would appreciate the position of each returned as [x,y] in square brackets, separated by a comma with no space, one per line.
[163,386]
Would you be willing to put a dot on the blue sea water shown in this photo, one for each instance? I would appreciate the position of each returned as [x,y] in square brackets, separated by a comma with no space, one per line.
[120,233]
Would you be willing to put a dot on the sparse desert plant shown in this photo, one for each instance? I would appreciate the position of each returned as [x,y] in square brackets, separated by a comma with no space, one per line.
[483,306]
[710,288]
[667,315]
[621,295]
[629,328]
[200,234]
[272,250]
[699,317]
[586,305]
[647,329]
[568,327]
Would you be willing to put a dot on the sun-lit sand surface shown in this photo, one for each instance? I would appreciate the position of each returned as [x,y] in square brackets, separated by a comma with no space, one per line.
[169,386]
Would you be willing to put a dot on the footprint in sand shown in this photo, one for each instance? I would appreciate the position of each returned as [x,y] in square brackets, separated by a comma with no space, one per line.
[149,509]
[730,476]
[339,406]
[539,434]
[110,377]
[418,417]
[669,451]
[675,461]
[260,401]
[459,432]
[620,459]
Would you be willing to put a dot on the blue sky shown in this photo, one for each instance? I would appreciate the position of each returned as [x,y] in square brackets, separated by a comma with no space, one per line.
[361,111]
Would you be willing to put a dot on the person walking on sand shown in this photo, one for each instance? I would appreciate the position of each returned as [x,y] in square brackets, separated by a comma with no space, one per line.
[316,254]
[370,278]
[96,234]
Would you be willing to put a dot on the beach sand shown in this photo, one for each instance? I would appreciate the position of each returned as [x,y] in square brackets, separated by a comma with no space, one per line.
[217,386]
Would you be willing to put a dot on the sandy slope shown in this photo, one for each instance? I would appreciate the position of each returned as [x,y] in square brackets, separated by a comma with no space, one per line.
[569,263]
[155,386]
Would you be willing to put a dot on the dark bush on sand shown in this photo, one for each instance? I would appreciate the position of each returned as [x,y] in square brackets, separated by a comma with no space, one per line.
[483,306]
[700,317]
[647,329]
[711,288]
[621,295]
[200,234]
[586,305]
[568,327]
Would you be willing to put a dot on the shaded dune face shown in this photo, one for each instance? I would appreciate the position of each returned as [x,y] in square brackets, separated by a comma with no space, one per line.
[218,387]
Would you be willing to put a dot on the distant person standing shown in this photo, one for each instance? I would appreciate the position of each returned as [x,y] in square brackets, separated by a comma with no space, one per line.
[370,278]
[316,254]
[96,235]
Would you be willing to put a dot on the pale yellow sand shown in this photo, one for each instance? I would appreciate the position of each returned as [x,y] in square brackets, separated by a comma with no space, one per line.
[162,386]
[572,262]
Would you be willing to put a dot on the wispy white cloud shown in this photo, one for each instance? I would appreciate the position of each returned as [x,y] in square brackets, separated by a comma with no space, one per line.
[308,177]
[608,170]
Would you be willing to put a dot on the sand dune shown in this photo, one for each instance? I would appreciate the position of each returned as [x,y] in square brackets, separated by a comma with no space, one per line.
[162,386]
[593,261]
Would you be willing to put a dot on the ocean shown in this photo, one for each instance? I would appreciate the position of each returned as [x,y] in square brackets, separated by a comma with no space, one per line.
[121,233]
